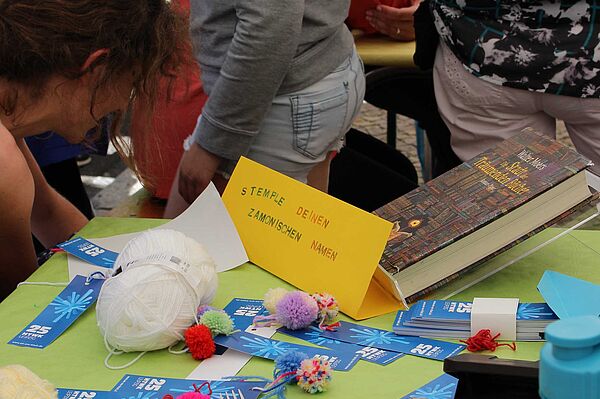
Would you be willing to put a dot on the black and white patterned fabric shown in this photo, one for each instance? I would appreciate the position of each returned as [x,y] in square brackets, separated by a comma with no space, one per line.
[538,45]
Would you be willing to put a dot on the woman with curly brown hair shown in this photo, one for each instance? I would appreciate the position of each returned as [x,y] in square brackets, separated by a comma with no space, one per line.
[64,65]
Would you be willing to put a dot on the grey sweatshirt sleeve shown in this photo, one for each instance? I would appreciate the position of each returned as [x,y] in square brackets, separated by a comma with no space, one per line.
[264,44]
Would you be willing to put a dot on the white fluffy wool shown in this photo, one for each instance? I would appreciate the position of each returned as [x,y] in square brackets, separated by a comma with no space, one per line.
[149,305]
[18,382]
[272,296]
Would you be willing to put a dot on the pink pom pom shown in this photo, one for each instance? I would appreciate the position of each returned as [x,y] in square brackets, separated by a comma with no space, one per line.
[197,394]
[297,310]
[193,395]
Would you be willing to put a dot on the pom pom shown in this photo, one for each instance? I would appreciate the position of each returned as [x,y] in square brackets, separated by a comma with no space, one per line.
[203,309]
[200,342]
[314,375]
[17,381]
[296,310]
[193,395]
[288,362]
[197,394]
[272,297]
[328,307]
[218,322]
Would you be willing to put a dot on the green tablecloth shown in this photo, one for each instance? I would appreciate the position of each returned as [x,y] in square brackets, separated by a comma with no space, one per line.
[75,360]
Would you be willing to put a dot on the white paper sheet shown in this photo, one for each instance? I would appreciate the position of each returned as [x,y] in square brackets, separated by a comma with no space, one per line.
[230,362]
[206,220]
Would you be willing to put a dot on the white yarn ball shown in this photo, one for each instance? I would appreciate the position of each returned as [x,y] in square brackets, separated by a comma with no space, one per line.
[149,305]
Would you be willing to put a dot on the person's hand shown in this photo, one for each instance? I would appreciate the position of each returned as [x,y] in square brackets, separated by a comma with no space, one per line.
[396,23]
[196,170]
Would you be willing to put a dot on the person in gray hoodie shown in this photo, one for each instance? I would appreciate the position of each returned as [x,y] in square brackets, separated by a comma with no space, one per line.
[284,84]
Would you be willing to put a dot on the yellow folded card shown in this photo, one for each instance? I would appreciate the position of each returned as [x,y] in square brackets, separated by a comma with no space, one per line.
[310,239]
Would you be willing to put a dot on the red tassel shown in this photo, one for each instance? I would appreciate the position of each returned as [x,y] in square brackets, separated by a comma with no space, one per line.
[483,341]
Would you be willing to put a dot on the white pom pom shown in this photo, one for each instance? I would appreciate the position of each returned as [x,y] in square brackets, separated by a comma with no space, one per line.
[272,296]
[166,276]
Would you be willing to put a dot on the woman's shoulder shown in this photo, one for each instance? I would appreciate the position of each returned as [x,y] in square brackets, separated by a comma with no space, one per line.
[16,181]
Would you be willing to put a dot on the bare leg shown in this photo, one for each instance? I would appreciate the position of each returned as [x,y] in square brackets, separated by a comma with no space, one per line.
[318,177]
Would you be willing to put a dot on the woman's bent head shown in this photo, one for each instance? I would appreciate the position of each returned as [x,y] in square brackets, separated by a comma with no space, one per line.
[75,61]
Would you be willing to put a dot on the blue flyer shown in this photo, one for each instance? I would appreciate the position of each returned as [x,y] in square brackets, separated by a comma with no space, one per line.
[243,311]
[387,340]
[270,349]
[89,252]
[64,393]
[443,387]
[369,354]
[145,387]
[79,295]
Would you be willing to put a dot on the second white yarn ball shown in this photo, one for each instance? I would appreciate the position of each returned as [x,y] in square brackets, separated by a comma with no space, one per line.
[149,305]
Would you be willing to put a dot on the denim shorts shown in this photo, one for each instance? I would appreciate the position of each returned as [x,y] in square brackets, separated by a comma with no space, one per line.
[301,128]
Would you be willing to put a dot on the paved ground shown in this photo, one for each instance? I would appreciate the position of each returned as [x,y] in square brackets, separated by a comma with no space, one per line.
[109,182]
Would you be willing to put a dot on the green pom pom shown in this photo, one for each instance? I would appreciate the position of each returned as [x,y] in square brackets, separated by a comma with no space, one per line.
[218,322]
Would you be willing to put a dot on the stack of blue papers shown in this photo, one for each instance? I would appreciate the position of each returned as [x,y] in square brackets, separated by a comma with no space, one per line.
[452,319]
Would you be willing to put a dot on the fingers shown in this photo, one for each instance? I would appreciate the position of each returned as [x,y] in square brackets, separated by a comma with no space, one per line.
[393,14]
[196,170]
[396,23]
[186,188]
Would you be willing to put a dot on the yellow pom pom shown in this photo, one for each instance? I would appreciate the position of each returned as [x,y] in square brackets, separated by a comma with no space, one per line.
[273,296]
[18,382]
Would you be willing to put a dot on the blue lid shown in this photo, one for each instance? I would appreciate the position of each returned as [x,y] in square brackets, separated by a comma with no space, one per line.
[575,332]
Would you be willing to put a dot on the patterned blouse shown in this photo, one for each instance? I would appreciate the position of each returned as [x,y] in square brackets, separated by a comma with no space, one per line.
[538,45]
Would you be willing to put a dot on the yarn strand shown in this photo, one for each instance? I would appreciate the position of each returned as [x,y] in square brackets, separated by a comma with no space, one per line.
[183,350]
[42,283]
[124,366]
[484,340]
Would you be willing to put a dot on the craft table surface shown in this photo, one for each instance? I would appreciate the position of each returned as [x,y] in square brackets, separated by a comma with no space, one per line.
[382,51]
[75,360]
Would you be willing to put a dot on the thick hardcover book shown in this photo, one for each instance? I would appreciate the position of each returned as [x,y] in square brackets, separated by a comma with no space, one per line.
[479,208]
[581,207]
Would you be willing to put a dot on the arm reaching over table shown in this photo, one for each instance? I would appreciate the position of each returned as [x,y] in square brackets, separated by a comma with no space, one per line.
[53,218]
[28,204]
[263,46]
[16,201]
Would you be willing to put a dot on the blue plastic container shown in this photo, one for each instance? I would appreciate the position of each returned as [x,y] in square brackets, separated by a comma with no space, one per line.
[570,360]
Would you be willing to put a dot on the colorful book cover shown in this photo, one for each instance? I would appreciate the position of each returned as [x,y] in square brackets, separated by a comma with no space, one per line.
[474,194]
